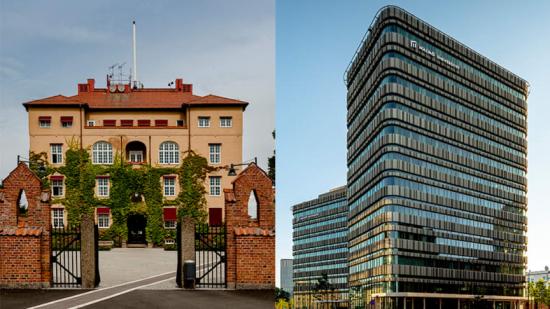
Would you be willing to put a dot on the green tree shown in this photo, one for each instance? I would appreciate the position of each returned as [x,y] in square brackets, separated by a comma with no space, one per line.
[281,294]
[540,292]
[323,287]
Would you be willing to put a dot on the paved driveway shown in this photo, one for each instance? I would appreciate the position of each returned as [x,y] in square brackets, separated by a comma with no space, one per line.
[122,265]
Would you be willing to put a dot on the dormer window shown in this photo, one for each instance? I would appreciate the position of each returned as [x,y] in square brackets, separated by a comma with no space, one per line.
[66,121]
[45,121]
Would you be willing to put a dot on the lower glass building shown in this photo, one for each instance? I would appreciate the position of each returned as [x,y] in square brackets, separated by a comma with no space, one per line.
[320,251]
[436,172]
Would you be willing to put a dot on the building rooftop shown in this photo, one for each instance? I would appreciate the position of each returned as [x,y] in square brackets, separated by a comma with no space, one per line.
[122,96]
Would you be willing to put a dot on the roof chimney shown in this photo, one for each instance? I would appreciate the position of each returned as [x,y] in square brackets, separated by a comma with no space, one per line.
[91,84]
[179,84]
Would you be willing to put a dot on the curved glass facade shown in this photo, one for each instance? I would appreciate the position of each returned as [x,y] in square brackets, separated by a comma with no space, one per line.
[436,169]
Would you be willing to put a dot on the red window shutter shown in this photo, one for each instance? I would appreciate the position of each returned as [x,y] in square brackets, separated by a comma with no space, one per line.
[103,210]
[170,214]
[109,123]
[45,118]
[66,118]
[214,216]
[144,123]
[127,123]
[56,177]
[170,176]
[103,176]
[161,123]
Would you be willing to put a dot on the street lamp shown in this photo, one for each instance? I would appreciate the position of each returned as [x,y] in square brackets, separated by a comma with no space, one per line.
[41,167]
[233,172]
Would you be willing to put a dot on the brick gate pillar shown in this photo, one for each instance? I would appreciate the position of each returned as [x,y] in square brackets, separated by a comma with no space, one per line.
[25,247]
[250,240]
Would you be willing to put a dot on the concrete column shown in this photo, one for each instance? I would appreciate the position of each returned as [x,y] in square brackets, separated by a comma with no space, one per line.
[187,245]
[87,252]
[187,239]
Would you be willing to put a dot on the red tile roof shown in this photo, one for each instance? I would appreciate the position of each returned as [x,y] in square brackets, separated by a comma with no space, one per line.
[229,195]
[100,98]
[20,231]
[253,231]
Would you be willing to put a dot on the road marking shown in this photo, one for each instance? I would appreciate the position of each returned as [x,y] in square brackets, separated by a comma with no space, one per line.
[119,293]
[124,291]
[98,290]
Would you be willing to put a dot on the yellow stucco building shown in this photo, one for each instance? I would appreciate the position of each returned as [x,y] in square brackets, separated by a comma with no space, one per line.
[144,126]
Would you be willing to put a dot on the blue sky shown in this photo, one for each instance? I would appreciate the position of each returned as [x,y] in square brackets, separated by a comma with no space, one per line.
[221,47]
[317,39]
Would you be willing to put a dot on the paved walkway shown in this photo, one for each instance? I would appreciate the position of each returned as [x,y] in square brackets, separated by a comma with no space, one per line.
[121,265]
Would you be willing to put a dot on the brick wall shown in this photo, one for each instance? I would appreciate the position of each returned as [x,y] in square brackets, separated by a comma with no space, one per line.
[20,262]
[250,242]
[24,240]
[255,265]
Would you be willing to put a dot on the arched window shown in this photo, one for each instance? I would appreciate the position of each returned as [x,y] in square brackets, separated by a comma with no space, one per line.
[102,153]
[169,153]
[252,206]
[22,203]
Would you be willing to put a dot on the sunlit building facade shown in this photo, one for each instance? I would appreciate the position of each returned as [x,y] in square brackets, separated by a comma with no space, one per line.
[436,171]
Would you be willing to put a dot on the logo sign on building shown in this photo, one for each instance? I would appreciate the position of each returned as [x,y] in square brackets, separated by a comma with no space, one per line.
[432,53]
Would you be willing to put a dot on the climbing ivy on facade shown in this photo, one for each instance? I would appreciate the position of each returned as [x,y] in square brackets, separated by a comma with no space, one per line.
[132,191]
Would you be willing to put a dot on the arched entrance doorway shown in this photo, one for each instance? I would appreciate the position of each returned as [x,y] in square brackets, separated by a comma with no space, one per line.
[136,229]
[136,152]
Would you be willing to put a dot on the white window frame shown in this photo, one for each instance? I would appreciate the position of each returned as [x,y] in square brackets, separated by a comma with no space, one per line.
[103,187]
[170,224]
[45,123]
[204,121]
[169,153]
[226,122]
[56,151]
[66,124]
[215,185]
[215,153]
[103,220]
[59,185]
[133,156]
[102,153]
[58,220]
[90,123]
[169,186]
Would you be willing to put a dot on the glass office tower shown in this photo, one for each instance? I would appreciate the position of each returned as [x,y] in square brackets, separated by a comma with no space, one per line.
[320,249]
[436,171]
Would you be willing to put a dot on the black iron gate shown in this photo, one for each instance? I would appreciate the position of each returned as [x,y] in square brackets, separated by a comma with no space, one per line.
[66,257]
[210,254]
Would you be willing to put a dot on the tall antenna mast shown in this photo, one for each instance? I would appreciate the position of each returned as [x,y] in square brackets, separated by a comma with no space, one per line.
[134,71]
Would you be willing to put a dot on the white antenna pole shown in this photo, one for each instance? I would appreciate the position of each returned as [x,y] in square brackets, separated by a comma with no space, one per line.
[134,75]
